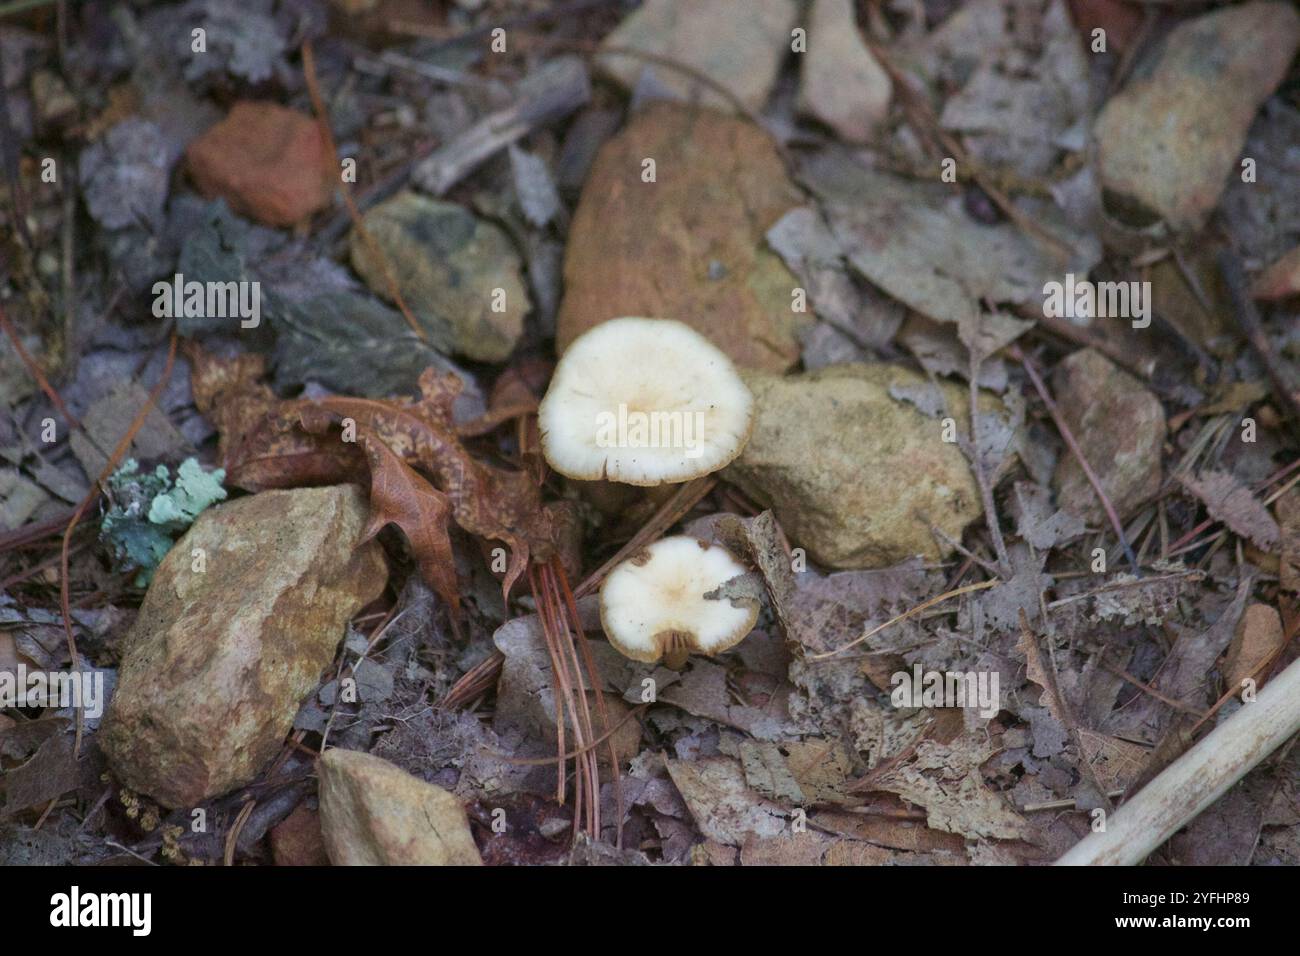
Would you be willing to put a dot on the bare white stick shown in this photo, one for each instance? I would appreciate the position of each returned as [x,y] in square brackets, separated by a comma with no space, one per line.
[1196,779]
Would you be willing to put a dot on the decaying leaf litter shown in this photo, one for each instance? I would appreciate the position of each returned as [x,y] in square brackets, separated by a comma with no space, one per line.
[1093,515]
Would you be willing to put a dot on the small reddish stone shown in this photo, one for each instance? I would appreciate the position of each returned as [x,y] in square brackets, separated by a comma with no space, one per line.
[266,161]
[297,840]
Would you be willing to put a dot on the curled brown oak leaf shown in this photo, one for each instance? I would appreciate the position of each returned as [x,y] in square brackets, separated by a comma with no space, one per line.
[401,496]
[486,501]
[259,444]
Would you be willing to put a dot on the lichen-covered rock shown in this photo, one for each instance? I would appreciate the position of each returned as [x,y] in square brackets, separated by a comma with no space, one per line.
[690,245]
[220,659]
[375,814]
[1171,137]
[455,272]
[1120,427]
[853,474]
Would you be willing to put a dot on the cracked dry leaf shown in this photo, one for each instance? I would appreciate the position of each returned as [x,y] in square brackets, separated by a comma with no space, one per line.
[266,442]
[1116,762]
[1004,603]
[486,501]
[822,769]
[723,806]
[945,779]
[1039,671]
[767,773]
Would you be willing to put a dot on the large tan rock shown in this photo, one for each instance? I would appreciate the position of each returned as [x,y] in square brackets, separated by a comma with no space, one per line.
[853,474]
[219,661]
[1171,137]
[375,814]
[690,245]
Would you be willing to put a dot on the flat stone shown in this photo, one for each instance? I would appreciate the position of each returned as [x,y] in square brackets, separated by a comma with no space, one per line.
[739,44]
[376,814]
[219,661]
[1120,426]
[268,162]
[853,474]
[448,265]
[689,246]
[1171,138]
[841,82]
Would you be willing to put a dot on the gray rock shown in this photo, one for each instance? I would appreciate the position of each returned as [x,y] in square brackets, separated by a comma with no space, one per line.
[447,264]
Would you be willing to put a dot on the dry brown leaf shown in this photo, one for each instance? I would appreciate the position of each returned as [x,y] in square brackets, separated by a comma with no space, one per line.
[1039,672]
[258,445]
[1229,501]
[398,495]
[945,779]
[888,831]
[1116,762]
[486,501]
[1258,636]
[421,476]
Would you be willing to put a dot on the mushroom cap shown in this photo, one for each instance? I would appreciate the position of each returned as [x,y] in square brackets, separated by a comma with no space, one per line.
[653,603]
[644,402]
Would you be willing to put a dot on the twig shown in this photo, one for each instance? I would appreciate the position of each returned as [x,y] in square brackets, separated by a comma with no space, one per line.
[1196,779]
[91,496]
[550,93]
[572,755]
[322,119]
[232,838]
[977,461]
[1147,688]
[1028,365]
[50,392]
[670,512]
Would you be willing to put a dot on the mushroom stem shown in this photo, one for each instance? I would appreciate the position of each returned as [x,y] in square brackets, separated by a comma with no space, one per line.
[1196,779]
[676,648]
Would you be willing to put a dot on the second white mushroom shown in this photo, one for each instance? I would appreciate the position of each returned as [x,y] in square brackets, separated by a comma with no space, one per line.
[653,605]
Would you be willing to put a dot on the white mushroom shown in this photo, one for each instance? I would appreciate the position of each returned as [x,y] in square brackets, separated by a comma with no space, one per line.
[644,402]
[653,604]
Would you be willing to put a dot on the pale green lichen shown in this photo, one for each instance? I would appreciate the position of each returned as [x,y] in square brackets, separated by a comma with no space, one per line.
[149,511]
